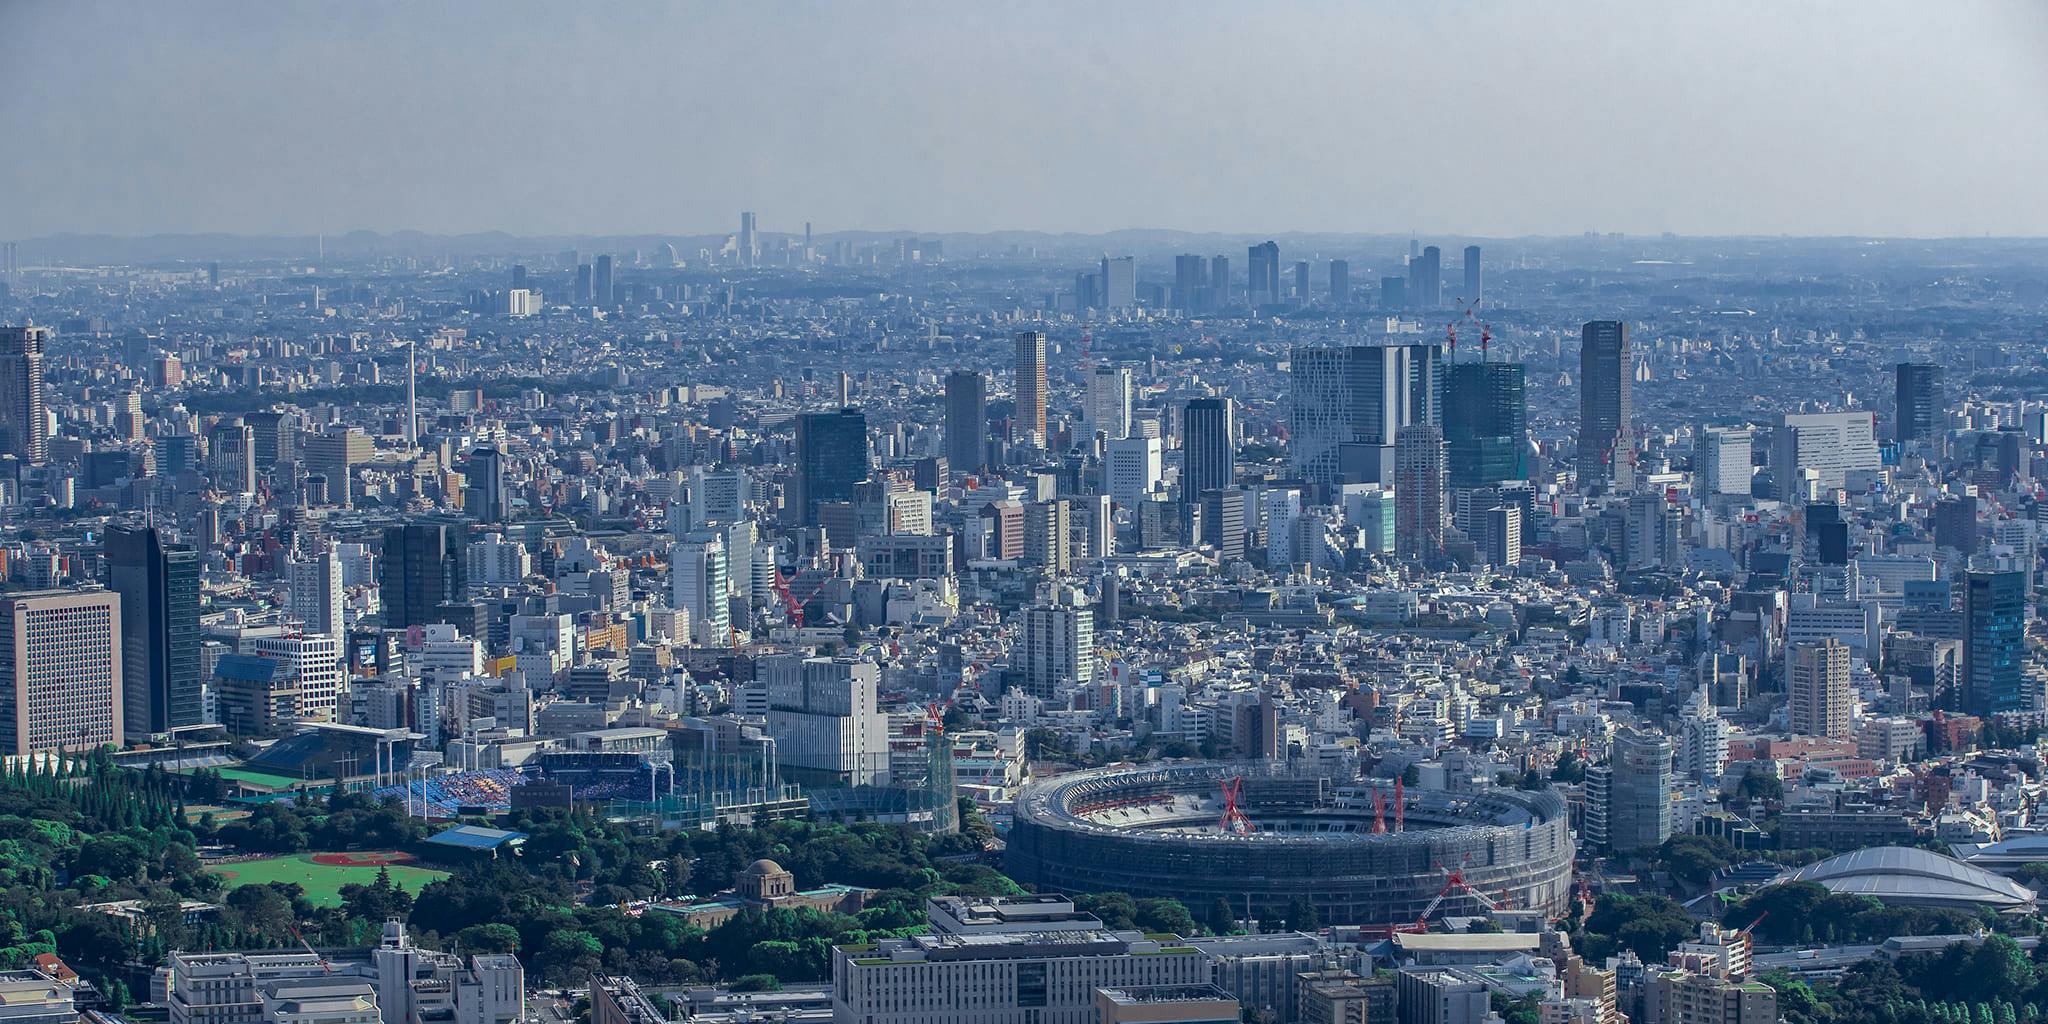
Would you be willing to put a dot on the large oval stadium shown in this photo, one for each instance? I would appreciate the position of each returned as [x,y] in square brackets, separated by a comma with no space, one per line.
[1166,830]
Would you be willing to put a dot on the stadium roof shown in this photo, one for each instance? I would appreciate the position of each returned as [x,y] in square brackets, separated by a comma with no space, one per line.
[475,837]
[1908,876]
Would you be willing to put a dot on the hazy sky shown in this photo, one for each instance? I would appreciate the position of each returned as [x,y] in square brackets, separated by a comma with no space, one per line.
[1864,117]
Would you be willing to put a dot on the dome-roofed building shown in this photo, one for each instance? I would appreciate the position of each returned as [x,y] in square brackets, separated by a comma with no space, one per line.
[2005,856]
[761,886]
[1906,876]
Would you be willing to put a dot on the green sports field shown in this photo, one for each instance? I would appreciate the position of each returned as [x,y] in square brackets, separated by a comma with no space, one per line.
[323,882]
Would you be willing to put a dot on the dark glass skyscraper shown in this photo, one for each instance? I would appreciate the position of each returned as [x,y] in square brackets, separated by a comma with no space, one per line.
[1340,283]
[831,456]
[1264,260]
[1426,279]
[1604,370]
[484,495]
[1485,422]
[1029,387]
[1209,451]
[1472,283]
[159,588]
[966,421]
[606,292]
[1994,641]
[1919,401]
[421,569]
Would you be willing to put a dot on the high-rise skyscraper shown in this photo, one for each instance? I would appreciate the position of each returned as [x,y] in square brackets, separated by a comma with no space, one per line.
[1419,470]
[158,583]
[749,241]
[699,578]
[1107,402]
[832,456]
[1994,641]
[1029,387]
[1605,368]
[1059,648]
[24,430]
[1190,283]
[1119,282]
[1346,405]
[484,495]
[1219,281]
[1301,270]
[584,288]
[318,600]
[60,671]
[422,568]
[1426,279]
[1340,284]
[1472,281]
[604,289]
[1826,445]
[1264,261]
[1817,682]
[966,423]
[1485,422]
[1208,447]
[1922,409]
[1639,791]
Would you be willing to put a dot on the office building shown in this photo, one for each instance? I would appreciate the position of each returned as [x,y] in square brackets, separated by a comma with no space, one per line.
[1606,367]
[1165,1004]
[422,568]
[1817,682]
[749,241]
[1219,281]
[158,583]
[1058,648]
[1419,509]
[1048,535]
[604,291]
[1119,282]
[484,494]
[1994,642]
[1223,521]
[826,718]
[1639,791]
[1106,406]
[1301,269]
[1955,524]
[1426,279]
[316,662]
[966,422]
[1721,460]
[1438,995]
[1132,469]
[1347,404]
[1009,958]
[1393,293]
[1208,447]
[1485,424]
[1340,284]
[1030,388]
[318,600]
[24,419]
[699,578]
[1471,293]
[832,456]
[1264,262]
[1497,534]
[61,670]
[1814,452]
[1923,412]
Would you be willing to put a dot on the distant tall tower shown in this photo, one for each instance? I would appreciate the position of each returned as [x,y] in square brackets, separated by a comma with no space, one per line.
[1301,270]
[1921,412]
[1208,447]
[750,243]
[1426,279]
[23,414]
[484,495]
[1030,386]
[412,395]
[1264,260]
[1994,641]
[421,568]
[1119,282]
[966,422]
[1472,282]
[1605,368]
[1219,281]
[1108,402]
[605,291]
[1485,422]
[1340,284]
[1190,283]
[1419,471]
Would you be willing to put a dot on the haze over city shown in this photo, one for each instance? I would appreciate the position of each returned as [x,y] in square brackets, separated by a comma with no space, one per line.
[1480,119]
